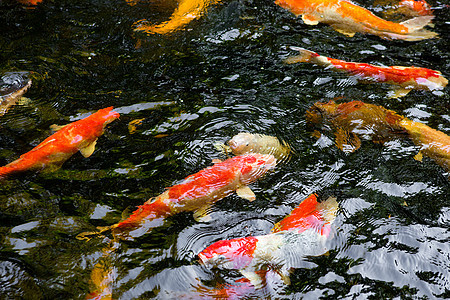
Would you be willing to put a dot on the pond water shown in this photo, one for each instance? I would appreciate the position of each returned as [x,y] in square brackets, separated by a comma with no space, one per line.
[222,75]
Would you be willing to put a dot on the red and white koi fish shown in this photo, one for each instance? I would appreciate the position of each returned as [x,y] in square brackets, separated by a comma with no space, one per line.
[348,18]
[12,86]
[353,119]
[80,136]
[302,233]
[197,193]
[404,78]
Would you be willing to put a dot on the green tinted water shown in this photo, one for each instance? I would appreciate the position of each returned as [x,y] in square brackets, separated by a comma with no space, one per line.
[222,75]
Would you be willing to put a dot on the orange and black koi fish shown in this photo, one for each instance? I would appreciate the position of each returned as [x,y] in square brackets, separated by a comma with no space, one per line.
[348,18]
[197,193]
[353,119]
[302,233]
[404,78]
[80,136]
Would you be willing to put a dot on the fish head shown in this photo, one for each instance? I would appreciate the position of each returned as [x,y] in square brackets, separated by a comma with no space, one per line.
[320,112]
[255,165]
[245,142]
[241,143]
[229,254]
[106,115]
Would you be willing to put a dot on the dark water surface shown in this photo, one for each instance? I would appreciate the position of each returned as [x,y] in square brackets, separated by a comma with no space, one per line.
[222,75]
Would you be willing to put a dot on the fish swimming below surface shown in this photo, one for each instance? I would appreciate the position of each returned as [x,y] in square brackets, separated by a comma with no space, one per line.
[349,18]
[304,232]
[187,11]
[12,87]
[353,119]
[404,79]
[196,193]
[49,155]
[245,142]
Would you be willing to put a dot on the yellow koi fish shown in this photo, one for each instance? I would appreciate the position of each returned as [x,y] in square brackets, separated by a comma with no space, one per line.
[348,18]
[187,11]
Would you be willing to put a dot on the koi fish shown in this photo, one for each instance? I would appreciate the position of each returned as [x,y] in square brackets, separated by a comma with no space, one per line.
[244,143]
[12,86]
[187,11]
[102,276]
[348,18]
[404,78]
[351,119]
[415,8]
[303,233]
[433,143]
[80,136]
[197,193]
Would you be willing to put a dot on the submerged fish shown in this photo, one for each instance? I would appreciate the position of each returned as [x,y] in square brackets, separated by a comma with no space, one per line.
[12,86]
[404,78]
[80,136]
[348,18]
[187,11]
[197,193]
[303,233]
[353,119]
[244,143]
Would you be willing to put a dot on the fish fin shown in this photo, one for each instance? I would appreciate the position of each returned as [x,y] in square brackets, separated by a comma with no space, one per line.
[255,279]
[284,274]
[89,149]
[216,161]
[347,141]
[202,214]
[418,156]
[417,23]
[304,56]
[344,31]
[246,193]
[329,208]
[55,127]
[398,92]
[310,19]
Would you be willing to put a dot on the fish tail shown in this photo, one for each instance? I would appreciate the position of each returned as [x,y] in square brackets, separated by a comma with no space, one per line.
[304,56]
[416,31]
[6,171]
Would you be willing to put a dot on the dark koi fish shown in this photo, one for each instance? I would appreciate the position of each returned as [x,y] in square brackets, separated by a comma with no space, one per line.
[12,86]
[353,119]
[302,233]
[404,78]
[80,136]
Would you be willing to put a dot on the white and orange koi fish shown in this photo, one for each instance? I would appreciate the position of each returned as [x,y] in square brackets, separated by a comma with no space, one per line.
[303,233]
[349,18]
[404,79]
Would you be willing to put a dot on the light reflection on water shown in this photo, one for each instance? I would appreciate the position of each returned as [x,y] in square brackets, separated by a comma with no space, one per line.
[221,76]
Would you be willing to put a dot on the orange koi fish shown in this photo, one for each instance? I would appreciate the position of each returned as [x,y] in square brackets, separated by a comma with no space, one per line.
[80,136]
[302,233]
[12,86]
[356,118]
[187,11]
[197,193]
[404,78]
[348,18]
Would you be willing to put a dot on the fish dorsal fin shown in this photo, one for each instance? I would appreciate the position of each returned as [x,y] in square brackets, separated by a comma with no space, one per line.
[310,19]
[345,31]
[202,214]
[216,161]
[89,149]
[246,193]
[347,141]
[418,156]
[55,127]
[255,279]
[398,92]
